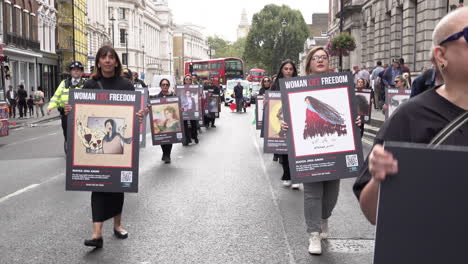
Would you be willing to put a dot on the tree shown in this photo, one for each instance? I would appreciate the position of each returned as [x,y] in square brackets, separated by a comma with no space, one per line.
[277,33]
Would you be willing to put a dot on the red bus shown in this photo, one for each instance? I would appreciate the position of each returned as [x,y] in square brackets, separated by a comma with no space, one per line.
[256,75]
[220,69]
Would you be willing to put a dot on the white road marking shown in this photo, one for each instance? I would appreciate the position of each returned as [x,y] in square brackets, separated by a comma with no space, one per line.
[32,186]
[275,199]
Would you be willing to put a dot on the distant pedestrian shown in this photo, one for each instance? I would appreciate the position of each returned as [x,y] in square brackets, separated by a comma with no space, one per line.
[191,132]
[390,74]
[375,83]
[39,101]
[22,101]
[167,148]
[404,68]
[239,96]
[30,103]
[12,99]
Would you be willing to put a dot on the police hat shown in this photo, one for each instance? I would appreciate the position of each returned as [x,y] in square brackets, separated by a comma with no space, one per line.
[76,64]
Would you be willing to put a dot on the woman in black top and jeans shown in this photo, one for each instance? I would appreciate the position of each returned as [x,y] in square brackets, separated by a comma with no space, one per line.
[166,148]
[107,76]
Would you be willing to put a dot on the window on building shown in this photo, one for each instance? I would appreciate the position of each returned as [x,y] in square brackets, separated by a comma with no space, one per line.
[122,13]
[110,11]
[13,19]
[125,58]
[123,36]
[26,28]
[8,18]
[20,29]
[1,18]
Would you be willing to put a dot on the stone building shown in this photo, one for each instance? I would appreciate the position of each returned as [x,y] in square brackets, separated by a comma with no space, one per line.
[19,35]
[317,37]
[97,24]
[189,45]
[141,32]
[387,29]
[244,26]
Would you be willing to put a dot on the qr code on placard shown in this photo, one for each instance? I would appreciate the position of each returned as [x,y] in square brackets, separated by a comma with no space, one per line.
[352,160]
[126,176]
[179,135]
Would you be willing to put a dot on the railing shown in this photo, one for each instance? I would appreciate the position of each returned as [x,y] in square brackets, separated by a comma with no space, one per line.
[21,42]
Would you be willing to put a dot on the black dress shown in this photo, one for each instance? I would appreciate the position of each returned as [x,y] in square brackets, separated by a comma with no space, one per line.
[417,121]
[105,205]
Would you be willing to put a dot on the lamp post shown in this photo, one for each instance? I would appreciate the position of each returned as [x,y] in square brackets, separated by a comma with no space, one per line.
[112,19]
[284,24]
[170,63]
[126,48]
[143,48]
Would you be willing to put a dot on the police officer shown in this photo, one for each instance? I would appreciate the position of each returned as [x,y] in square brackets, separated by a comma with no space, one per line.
[60,98]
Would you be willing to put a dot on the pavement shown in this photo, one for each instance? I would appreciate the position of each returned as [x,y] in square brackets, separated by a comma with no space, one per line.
[220,201]
[17,122]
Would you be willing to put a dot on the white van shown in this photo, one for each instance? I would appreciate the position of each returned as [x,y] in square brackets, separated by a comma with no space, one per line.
[230,84]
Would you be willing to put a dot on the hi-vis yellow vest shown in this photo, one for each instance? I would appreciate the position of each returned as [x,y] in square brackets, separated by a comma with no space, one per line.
[62,92]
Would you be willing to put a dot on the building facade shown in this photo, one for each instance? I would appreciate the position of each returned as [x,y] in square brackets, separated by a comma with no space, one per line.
[97,28]
[244,26]
[189,45]
[388,29]
[20,42]
[317,37]
[48,63]
[142,35]
[72,36]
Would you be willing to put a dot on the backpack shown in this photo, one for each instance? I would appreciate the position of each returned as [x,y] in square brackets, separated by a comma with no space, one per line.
[37,96]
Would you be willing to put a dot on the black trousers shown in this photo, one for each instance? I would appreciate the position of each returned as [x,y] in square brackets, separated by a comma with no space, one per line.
[64,126]
[23,108]
[192,131]
[238,104]
[12,108]
[166,149]
[285,164]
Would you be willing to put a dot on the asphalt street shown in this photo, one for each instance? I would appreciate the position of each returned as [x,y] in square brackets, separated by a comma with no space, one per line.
[220,201]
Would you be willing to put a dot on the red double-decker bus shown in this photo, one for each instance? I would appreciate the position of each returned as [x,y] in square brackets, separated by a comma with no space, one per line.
[219,69]
[256,75]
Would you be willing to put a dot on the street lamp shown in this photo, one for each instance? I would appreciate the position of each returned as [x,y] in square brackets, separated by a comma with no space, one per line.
[143,48]
[284,23]
[126,48]
[112,19]
[170,63]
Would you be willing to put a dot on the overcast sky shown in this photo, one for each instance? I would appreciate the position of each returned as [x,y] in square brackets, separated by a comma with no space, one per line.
[221,17]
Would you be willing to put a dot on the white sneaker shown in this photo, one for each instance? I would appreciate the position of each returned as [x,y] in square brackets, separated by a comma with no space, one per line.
[287,183]
[295,186]
[324,234]
[315,244]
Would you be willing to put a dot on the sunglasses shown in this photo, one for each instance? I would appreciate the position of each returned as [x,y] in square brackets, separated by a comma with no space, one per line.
[463,33]
[266,80]
[165,85]
[397,81]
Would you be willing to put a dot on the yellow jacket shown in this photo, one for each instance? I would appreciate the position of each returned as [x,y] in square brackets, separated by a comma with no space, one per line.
[62,92]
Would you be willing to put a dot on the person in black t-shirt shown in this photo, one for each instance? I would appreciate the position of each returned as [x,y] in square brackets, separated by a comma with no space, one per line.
[107,76]
[419,120]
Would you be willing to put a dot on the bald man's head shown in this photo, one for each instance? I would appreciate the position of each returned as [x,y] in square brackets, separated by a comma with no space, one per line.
[450,24]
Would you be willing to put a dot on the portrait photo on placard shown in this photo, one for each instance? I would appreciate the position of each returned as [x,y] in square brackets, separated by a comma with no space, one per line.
[363,103]
[213,104]
[321,121]
[188,100]
[166,118]
[275,119]
[103,135]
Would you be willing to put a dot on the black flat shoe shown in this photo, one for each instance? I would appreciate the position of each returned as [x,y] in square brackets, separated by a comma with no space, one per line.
[121,235]
[167,160]
[96,242]
[196,141]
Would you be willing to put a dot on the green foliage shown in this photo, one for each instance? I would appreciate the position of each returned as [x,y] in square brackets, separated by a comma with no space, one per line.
[342,44]
[224,49]
[268,42]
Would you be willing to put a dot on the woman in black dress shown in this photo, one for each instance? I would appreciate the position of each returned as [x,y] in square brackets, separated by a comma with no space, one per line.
[192,131]
[166,148]
[107,76]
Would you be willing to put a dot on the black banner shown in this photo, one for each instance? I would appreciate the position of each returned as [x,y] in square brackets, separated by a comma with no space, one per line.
[103,141]
[166,122]
[275,137]
[259,111]
[394,98]
[426,197]
[324,141]
[144,101]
